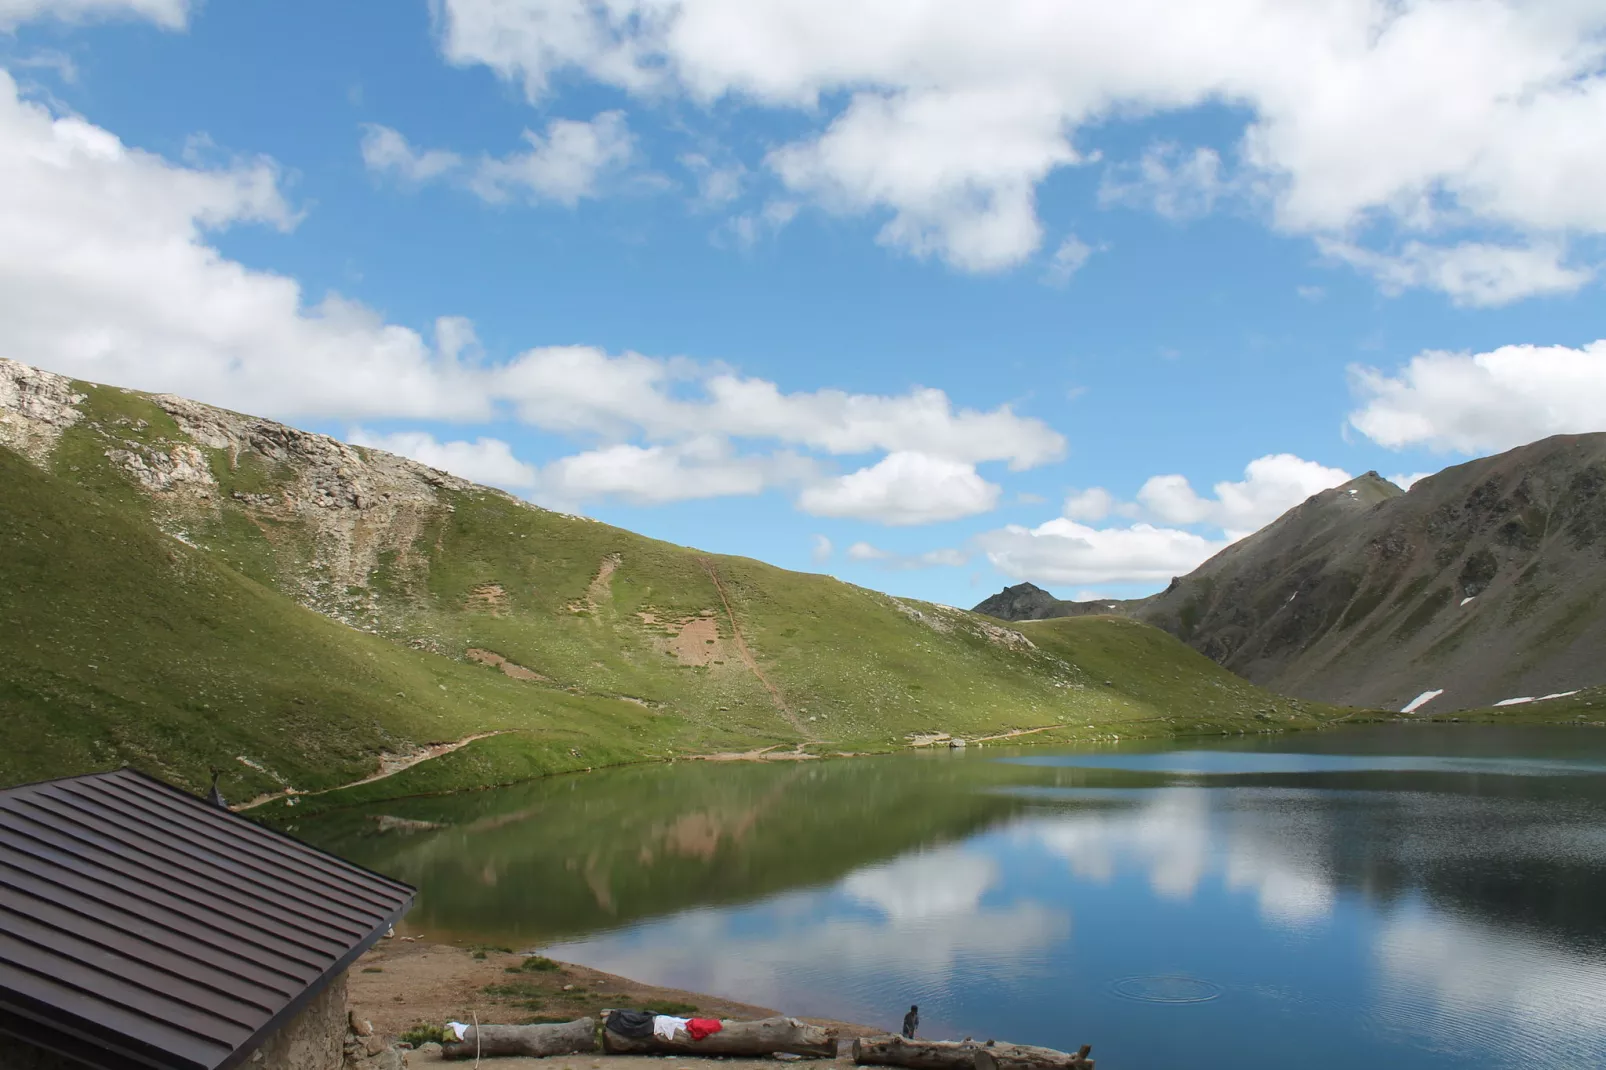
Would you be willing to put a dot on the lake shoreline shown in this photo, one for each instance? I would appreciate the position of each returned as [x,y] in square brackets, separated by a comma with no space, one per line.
[406,981]
[315,803]
[324,801]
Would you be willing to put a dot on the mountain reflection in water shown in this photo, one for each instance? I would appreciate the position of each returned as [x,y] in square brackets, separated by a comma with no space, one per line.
[1412,896]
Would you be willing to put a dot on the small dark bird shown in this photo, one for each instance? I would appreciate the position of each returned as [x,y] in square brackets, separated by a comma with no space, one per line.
[911,1022]
[214,796]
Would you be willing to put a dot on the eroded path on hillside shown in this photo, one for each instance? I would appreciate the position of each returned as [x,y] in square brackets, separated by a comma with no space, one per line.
[747,655]
[389,766]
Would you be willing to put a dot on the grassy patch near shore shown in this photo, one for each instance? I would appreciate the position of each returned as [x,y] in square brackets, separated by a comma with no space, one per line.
[1587,707]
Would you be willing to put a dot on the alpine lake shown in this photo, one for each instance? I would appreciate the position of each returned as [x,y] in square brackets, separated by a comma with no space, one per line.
[1388,897]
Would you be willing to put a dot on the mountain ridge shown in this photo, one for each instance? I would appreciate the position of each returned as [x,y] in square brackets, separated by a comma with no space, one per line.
[1481,582]
[192,586]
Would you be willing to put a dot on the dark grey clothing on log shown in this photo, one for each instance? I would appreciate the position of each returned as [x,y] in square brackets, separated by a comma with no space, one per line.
[636,1024]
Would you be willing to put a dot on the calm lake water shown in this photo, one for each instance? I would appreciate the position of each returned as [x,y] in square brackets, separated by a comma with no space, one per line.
[1395,897]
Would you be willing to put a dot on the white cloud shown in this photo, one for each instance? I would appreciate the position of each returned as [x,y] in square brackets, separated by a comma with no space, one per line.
[1427,115]
[47,59]
[941,558]
[903,488]
[578,388]
[1271,486]
[1474,274]
[1067,550]
[1095,503]
[749,228]
[107,273]
[821,551]
[485,460]
[640,475]
[1072,256]
[1406,482]
[169,14]
[653,475]
[1168,181]
[564,164]
[716,184]
[386,152]
[1484,402]
[1063,552]
[959,169]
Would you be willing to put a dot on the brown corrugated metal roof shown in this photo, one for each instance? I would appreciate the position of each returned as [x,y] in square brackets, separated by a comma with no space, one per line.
[143,927]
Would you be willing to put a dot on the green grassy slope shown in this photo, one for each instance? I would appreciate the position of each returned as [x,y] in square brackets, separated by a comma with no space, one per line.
[167,625]
[1587,706]
[120,644]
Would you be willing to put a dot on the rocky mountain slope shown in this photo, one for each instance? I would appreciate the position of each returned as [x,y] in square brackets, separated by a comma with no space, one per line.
[185,586]
[1484,583]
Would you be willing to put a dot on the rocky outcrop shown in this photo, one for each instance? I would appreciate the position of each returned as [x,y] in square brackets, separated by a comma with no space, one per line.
[337,510]
[36,406]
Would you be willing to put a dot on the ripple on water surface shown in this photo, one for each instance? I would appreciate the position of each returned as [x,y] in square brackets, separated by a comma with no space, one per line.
[1168,988]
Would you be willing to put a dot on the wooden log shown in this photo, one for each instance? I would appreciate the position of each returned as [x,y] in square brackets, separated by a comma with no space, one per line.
[766,1036]
[893,1050]
[564,1038]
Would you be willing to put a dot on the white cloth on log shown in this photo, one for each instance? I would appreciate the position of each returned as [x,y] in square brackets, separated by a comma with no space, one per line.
[667,1026]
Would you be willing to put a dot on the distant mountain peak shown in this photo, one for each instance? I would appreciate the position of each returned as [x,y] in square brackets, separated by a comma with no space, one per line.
[1489,574]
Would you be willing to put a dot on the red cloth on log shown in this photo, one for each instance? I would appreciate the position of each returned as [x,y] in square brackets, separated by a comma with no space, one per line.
[702,1027]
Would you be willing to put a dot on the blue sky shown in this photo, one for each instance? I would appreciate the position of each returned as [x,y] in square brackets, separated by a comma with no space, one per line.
[931,300]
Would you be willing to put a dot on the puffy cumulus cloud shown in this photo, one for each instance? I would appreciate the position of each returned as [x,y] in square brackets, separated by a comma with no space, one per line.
[958,168]
[564,164]
[1271,486]
[904,488]
[107,272]
[1064,552]
[821,550]
[640,475]
[660,473]
[583,389]
[485,460]
[1484,402]
[1095,503]
[1068,550]
[1476,274]
[1428,115]
[169,14]
[946,557]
